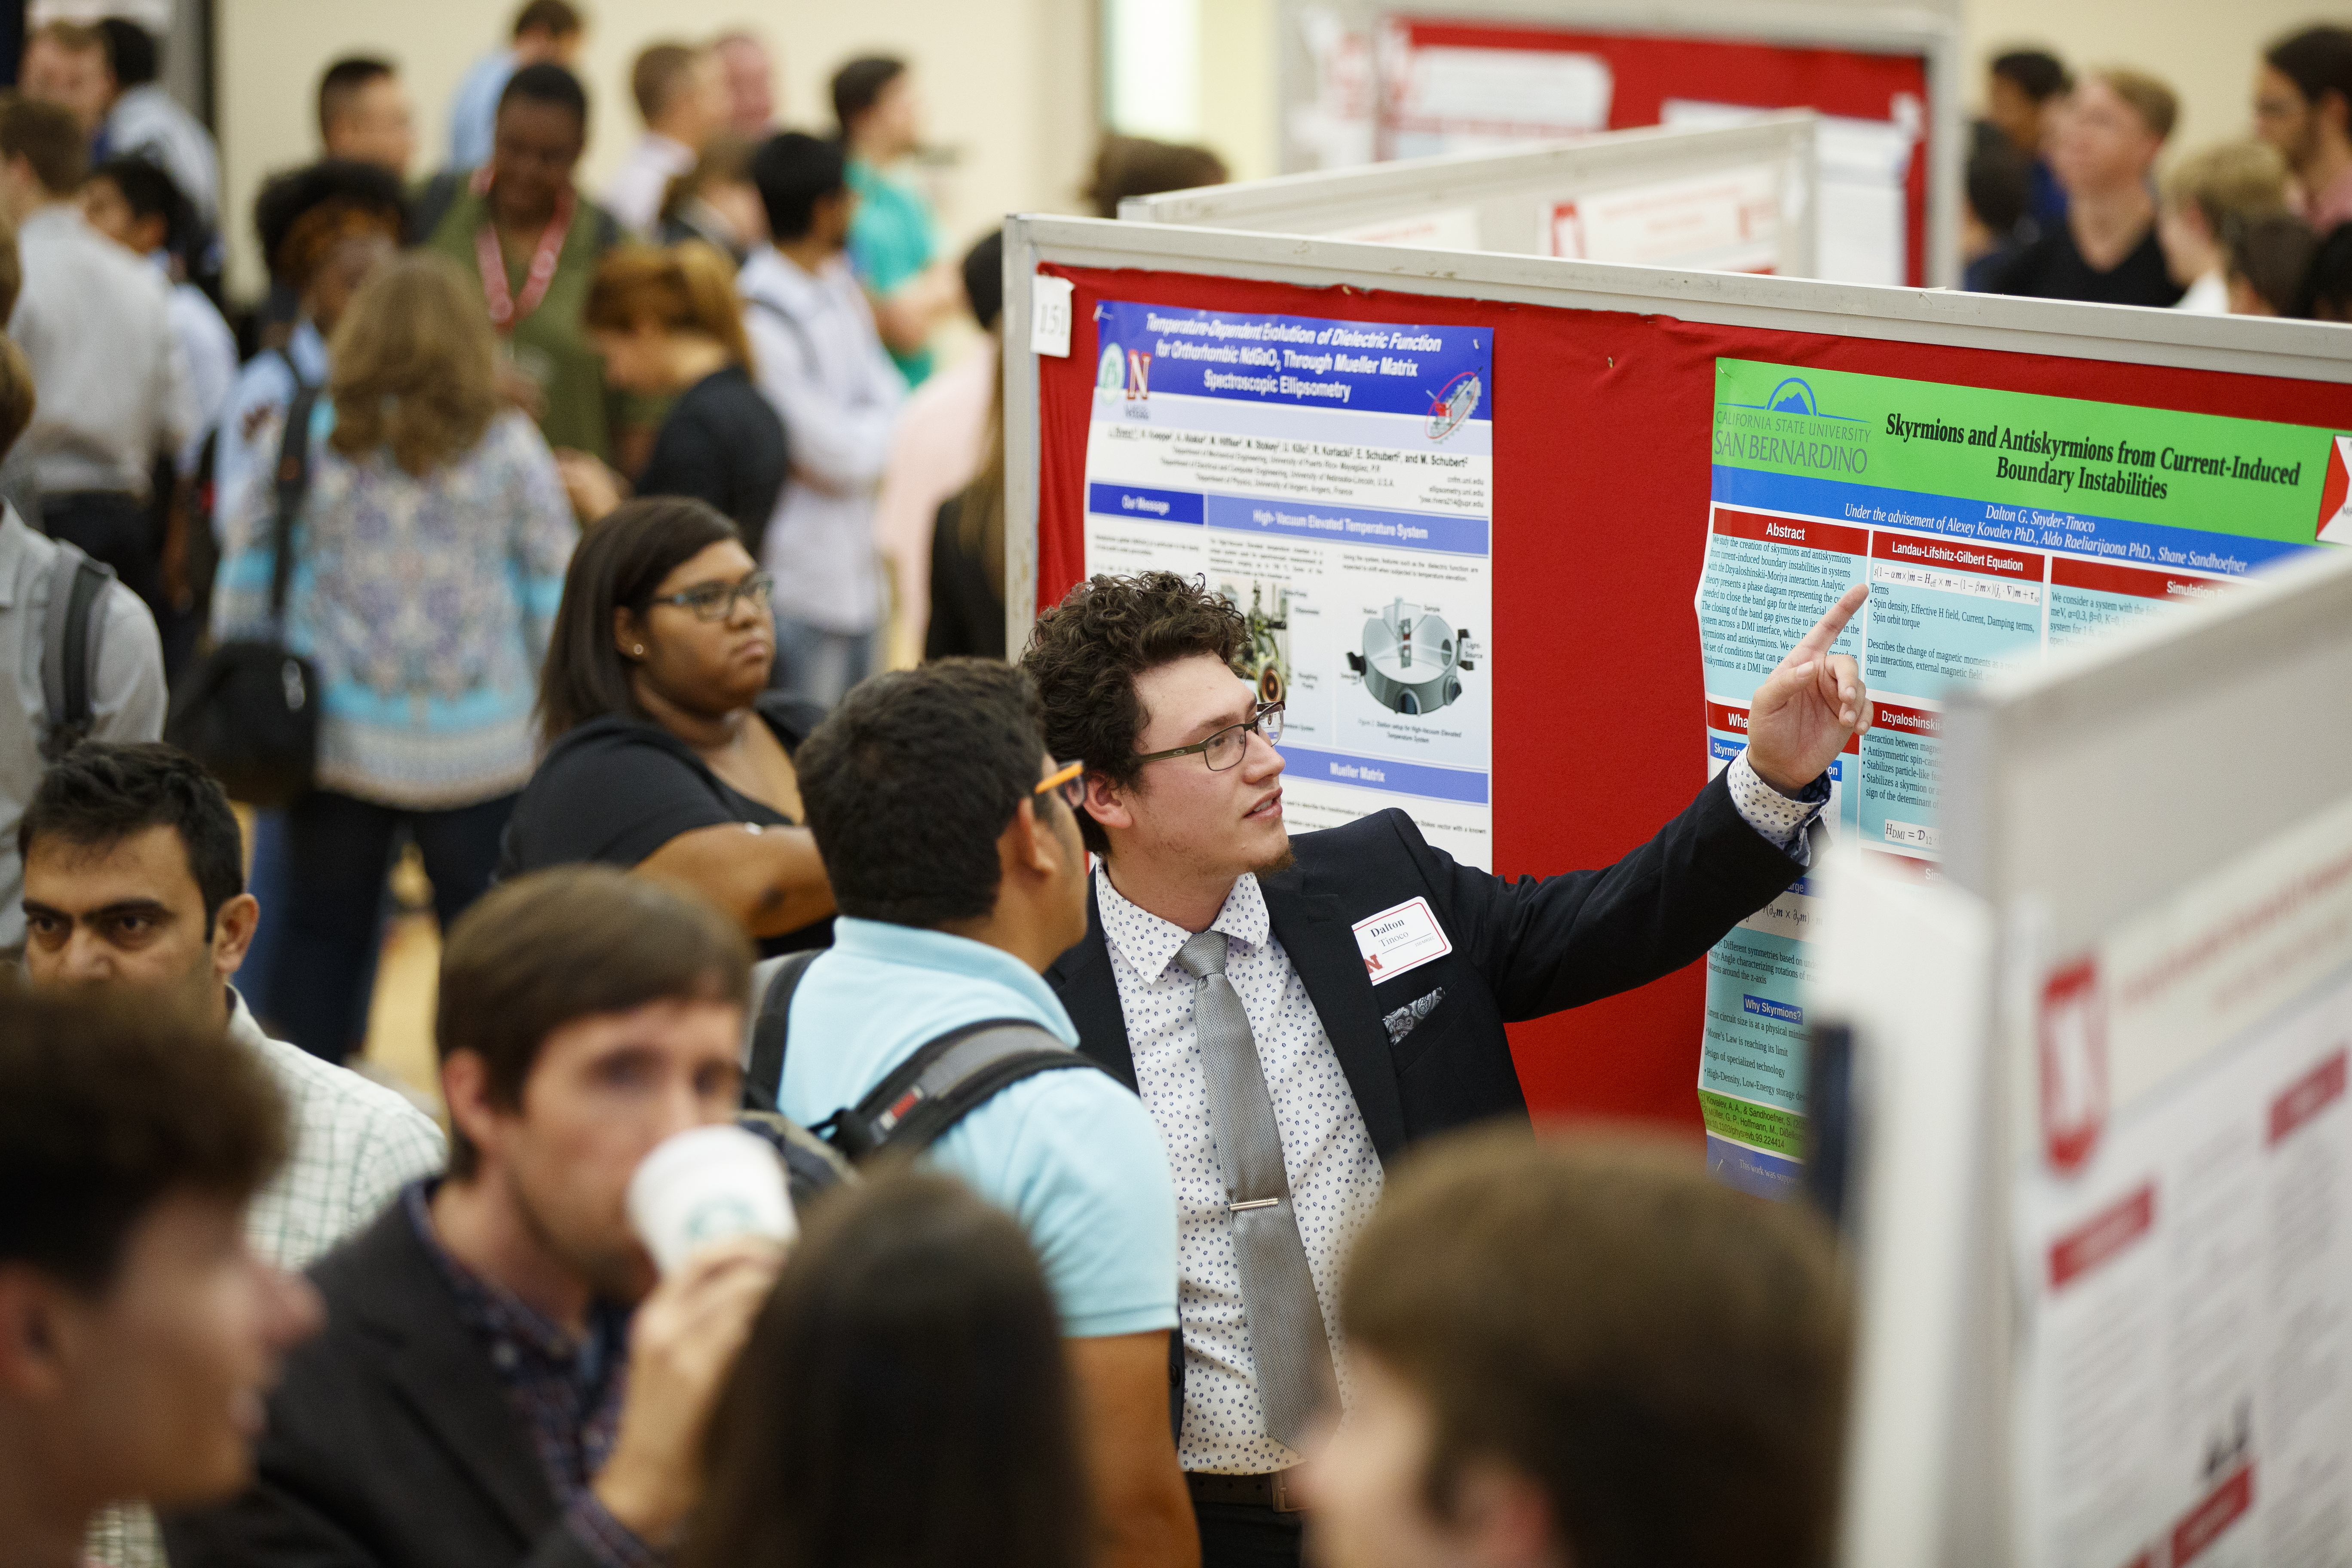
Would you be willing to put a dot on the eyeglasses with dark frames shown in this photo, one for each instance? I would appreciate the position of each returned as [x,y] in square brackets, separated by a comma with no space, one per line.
[1069,782]
[1227,748]
[716,601]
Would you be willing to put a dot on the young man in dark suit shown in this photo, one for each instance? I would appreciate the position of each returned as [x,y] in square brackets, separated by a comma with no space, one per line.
[1222,975]
[502,1380]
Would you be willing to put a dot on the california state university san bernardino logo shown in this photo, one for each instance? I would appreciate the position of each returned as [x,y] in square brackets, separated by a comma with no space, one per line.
[1110,373]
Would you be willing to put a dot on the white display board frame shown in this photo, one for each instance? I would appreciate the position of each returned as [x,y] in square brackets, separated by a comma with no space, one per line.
[1507,193]
[2058,779]
[1863,29]
[2120,334]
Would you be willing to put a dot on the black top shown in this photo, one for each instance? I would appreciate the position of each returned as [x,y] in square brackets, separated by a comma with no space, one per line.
[722,443]
[617,788]
[967,606]
[390,1442]
[2052,269]
[1520,949]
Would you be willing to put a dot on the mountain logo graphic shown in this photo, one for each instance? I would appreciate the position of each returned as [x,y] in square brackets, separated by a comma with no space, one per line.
[1793,396]
[2335,495]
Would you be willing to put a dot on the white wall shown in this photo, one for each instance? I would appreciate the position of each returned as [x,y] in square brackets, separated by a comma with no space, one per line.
[1010,83]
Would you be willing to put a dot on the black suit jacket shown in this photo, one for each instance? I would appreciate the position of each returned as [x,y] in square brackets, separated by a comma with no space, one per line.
[1521,949]
[390,1442]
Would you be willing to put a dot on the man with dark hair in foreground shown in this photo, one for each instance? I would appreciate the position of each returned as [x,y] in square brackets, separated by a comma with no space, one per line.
[134,888]
[135,885]
[960,875]
[138,1331]
[1586,1352]
[501,1380]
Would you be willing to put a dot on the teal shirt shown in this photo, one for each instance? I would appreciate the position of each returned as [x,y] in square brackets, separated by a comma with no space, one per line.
[891,241]
[1074,1156]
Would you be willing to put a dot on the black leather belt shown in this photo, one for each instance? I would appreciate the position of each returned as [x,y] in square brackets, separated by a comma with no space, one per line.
[1277,1491]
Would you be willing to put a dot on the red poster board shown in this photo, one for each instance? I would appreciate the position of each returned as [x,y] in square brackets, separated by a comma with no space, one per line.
[1650,68]
[1601,466]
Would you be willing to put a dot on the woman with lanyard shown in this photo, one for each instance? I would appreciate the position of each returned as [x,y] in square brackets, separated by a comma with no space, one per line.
[530,241]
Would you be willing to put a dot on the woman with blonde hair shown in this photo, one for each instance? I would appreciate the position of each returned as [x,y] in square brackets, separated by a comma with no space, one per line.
[428,555]
[670,324]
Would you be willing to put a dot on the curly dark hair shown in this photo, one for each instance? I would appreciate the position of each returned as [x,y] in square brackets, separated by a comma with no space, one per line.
[1087,651]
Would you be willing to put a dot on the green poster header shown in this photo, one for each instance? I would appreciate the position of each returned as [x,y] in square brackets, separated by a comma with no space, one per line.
[2202,471]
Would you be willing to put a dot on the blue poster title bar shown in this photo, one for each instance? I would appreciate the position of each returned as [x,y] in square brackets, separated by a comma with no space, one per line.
[1382,773]
[1300,519]
[1444,374]
[2126,543]
[1351,524]
[1134,500]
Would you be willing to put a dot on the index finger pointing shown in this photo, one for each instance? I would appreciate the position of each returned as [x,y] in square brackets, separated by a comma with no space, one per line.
[1825,630]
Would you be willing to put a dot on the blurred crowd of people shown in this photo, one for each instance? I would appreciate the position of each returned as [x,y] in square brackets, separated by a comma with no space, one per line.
[2065,200]
[486,361]
[560,536]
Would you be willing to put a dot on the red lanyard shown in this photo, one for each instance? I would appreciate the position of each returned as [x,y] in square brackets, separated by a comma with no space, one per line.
[506,311]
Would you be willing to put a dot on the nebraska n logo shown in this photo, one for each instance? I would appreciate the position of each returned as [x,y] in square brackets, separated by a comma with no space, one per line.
[2335,495]
[1139,376]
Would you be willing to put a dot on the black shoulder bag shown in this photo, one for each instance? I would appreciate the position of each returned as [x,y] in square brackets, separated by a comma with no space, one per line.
[249,710]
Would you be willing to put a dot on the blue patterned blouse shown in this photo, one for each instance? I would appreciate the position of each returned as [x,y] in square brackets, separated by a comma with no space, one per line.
[424,604]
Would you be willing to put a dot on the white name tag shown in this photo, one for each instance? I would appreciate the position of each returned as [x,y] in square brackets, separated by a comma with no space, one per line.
[1405,937]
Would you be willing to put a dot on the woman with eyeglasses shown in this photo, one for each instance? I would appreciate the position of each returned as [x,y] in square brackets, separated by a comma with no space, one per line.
[666,750]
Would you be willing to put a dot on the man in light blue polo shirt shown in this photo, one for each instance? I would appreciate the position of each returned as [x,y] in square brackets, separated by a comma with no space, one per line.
[959,876]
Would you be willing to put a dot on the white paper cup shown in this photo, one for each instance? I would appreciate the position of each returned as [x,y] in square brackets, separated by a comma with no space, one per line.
[709,1185]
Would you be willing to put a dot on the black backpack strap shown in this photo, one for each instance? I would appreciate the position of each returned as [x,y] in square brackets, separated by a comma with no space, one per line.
[293,480]
[764,1072]
[284,356]
[945,1081]
[70,635]
[810,1165]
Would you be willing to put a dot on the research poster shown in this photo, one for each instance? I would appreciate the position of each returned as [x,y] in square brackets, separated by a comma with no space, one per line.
[1333,480]
[2182,1224]
[1992,527]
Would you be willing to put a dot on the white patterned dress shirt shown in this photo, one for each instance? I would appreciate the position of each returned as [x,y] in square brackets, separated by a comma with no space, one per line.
[1335,1174]
[355,1144]
[1327,1153]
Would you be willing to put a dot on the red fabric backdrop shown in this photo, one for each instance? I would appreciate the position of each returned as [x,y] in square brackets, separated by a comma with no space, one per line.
[1649,70]
[1601,474]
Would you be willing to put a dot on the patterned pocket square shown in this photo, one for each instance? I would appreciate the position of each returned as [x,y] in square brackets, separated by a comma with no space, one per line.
[1401,1022]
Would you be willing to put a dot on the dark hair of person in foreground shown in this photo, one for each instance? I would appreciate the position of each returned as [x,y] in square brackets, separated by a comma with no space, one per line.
[1663,1357]
[106,1108]
[902,1401]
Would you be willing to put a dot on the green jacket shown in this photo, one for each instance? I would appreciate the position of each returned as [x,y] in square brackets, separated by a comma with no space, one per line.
[550,346]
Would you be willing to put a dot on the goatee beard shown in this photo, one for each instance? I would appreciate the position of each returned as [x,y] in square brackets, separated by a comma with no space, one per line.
[1282,862]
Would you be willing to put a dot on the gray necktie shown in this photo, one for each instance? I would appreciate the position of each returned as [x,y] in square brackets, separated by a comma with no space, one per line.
[1285,1322]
